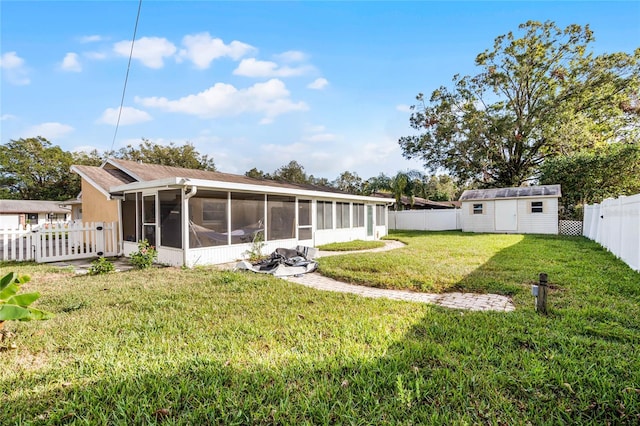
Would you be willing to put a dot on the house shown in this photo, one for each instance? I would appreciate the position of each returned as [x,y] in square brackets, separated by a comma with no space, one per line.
[523,210]
[16,214]
[419,203]
[196,217]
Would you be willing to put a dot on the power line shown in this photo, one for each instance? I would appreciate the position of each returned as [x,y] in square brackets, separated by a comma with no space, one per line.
[126,78]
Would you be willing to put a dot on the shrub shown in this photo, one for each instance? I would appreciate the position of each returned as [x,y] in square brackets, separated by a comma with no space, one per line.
[14,306]
[101,266]
[254,253]
[145,256]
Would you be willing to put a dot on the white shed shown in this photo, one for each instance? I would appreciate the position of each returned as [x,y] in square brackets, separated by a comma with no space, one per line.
[522,210]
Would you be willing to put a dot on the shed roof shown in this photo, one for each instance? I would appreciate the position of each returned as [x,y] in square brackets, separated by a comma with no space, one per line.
[32,206]
[518,192]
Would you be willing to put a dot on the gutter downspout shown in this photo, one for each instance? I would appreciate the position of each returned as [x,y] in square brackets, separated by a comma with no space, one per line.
[185,220]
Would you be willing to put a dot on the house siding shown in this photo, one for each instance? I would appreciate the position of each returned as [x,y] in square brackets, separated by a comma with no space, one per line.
[538,223]
[96,207]
[478,222]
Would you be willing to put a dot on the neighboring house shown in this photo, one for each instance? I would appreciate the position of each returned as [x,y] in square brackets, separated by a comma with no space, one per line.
[418,203]
[16,214]
[523,210]
[197,217]
[75,204]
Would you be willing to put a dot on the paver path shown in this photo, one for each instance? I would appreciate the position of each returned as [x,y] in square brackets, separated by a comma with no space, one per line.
[469,301]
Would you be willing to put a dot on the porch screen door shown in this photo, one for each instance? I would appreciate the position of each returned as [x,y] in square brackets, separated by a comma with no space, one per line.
[149,218]
[304,220]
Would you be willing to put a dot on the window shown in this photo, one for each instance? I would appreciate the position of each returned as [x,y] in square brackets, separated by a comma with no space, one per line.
[358,215]
[213,211]
[324,214]
[281,214]
[477,209]
[380,214]
[342,215]
[536,207]
[170,218]
[208,222]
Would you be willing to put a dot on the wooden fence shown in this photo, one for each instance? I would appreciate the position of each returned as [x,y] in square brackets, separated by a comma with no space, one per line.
[59,241]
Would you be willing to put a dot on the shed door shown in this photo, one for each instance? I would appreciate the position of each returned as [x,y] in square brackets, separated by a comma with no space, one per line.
[506,215]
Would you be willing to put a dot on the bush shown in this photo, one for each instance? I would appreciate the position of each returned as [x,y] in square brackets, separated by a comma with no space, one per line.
[101,266]
[145,256]
[254,253]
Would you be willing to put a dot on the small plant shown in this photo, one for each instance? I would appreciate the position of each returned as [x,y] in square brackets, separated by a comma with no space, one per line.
[101,266]
[254,253]
[145,256]
[14,306]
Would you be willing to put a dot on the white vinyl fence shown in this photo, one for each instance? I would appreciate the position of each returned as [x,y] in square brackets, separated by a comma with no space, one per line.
[426,220]
[59,241]
[615,224]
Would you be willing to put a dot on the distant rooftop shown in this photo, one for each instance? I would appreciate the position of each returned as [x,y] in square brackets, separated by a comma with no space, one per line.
[32,206]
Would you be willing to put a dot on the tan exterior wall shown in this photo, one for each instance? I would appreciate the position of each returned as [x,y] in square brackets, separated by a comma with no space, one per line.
[96,207]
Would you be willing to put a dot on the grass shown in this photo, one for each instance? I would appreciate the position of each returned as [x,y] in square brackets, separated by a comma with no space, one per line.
[352,245]
[202,346]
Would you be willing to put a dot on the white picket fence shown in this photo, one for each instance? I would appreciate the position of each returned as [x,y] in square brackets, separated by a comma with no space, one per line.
[59,241]
[615,224]
[426,220]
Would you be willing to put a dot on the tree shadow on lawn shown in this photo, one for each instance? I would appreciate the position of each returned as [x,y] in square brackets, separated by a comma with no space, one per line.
[451,367]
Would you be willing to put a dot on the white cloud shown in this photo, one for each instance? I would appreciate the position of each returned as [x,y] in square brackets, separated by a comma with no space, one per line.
[270,98]
[321,137]
[202,49]
[292,56]
[129,116]
[318,84]
[48,130]
[91,38]
[151,51]
[4,117]
[14,68]
[95,55]
[251,67]
[71,63]
[403,108]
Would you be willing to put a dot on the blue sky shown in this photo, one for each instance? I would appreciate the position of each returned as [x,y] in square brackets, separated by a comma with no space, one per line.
[257,84]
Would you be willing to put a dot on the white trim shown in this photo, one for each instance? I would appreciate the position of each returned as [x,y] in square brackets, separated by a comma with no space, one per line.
[92,182]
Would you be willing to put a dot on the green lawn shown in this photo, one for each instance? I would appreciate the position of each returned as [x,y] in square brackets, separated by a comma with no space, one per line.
[352,245]
[208,347]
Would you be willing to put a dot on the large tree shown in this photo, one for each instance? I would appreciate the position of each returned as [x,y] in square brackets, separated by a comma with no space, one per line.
[168,155]
[591,176]
[348,182]
[292,172]
[541,95]
[34,169]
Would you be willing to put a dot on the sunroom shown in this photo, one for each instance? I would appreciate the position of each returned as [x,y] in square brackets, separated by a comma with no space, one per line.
[196,222]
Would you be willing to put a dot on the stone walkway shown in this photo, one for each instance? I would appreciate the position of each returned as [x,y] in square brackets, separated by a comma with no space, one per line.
[468,301]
